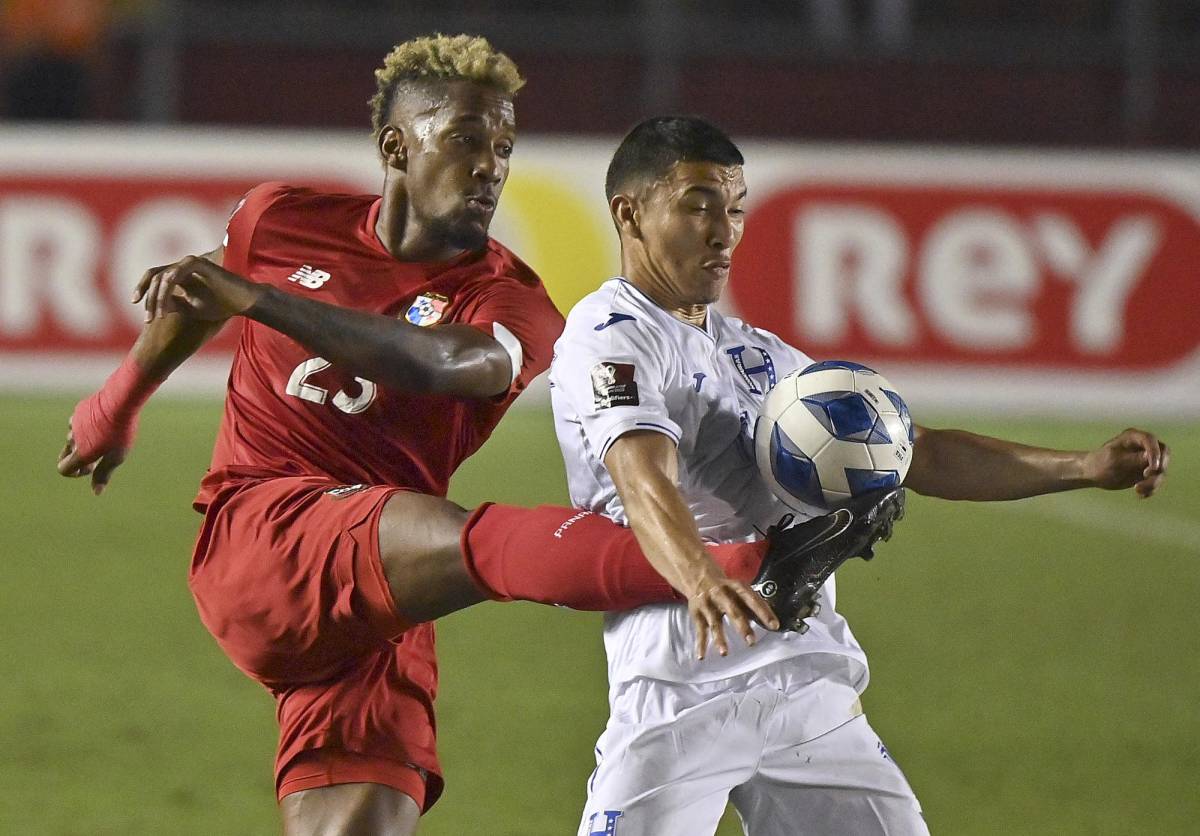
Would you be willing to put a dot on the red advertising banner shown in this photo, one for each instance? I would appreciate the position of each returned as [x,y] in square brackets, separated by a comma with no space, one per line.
[974,280]
[73,247]
[988,275]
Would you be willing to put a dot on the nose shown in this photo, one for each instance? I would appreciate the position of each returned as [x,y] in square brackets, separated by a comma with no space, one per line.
[488,168]
[722,234]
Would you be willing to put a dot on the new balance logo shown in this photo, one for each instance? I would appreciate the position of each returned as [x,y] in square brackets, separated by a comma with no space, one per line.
[310,277]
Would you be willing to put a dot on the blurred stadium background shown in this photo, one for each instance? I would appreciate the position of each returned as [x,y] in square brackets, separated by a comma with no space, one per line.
[996,202]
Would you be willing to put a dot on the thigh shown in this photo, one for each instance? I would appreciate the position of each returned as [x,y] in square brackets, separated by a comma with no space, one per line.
[350,810]
[420,545]
[287,577]
[669,778]
[843,783]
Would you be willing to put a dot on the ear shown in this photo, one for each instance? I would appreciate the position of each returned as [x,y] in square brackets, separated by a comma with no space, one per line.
[625,215]
[393,148]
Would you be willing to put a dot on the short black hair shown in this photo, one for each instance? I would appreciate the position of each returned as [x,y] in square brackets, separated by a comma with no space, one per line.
[653,146]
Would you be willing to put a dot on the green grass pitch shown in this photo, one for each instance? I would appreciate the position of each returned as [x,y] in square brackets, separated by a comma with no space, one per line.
[1035,666]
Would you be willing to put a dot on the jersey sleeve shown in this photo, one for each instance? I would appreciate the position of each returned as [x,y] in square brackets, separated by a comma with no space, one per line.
[613,381]
[525,322]
[239,229]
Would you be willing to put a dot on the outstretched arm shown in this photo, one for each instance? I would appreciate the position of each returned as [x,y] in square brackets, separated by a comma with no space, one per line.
[644,470]
[450,359]
[954,464]
[103,426]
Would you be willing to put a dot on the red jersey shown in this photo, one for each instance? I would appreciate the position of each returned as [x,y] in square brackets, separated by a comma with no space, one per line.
[289,412]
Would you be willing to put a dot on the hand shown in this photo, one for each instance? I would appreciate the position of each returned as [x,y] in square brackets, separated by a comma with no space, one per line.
[1133,459]
[94,445]
[717,597]
[197,288]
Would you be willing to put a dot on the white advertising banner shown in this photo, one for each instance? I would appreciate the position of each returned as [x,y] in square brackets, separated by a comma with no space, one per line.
[1039,282]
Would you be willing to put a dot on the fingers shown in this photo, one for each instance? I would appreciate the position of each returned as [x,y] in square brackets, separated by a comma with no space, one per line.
[1148,444]
[733,608]
[104,468]
[144,283]
[758,607]
[166,284]
[157,288]
[152,292]
[708,625]
[707,619]
[1154,457]
[69,462]
[1154,477]
[73,467]
[701,624]
[730,600]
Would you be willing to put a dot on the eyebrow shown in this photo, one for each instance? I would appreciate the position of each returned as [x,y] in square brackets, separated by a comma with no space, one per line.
[713,191]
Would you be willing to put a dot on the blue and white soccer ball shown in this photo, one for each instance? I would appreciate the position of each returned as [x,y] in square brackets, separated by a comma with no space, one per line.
[832,431]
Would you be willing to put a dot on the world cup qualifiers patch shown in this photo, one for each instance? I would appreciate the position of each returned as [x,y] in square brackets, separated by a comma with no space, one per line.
[427,309]
[613,385]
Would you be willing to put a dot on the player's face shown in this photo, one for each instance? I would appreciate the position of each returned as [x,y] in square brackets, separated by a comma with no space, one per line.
[458,155]
[691,221]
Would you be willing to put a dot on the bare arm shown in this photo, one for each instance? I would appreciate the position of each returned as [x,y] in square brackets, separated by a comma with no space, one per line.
[645,470]
[102,427]
[955,464]
[165,342]
[450,359]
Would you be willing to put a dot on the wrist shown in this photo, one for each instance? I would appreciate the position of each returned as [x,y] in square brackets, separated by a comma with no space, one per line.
[126,391]
[1087,470]
[698,575]
[254,299]
[108,419]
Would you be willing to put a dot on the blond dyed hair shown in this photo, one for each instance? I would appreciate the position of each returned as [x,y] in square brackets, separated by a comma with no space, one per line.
[441,58]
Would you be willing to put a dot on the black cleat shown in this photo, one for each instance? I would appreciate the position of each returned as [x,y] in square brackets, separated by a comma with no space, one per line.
[801,558]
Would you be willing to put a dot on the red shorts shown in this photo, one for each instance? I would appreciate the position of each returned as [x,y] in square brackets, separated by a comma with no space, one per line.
[287,577]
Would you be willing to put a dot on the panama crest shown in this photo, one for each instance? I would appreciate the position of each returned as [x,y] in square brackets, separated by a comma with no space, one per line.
[427,309]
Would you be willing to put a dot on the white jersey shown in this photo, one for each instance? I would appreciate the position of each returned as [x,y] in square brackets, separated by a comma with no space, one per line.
[622,364]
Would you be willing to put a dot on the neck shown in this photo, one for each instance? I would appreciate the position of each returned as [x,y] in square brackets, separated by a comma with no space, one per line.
[400,234]
[652,283]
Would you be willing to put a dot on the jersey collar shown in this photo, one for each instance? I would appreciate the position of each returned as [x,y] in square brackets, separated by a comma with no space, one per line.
[707,330]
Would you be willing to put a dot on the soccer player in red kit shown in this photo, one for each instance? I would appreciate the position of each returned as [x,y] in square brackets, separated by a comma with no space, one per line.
[384,337]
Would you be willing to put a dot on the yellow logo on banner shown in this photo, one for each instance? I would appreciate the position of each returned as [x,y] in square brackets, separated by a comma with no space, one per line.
[563,233]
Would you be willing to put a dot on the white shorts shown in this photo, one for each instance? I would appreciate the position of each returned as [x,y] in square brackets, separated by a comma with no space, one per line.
[793,754]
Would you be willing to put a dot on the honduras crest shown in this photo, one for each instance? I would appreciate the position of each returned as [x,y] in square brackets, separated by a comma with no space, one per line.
[427,309]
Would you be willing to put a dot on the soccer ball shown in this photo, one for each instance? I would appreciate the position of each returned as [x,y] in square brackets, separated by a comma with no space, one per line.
[829,432]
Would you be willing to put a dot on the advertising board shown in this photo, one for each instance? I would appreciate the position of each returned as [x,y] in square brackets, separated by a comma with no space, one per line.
[1032,281]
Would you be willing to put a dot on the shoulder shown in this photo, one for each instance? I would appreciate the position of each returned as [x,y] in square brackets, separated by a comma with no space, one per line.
[611,320]
[284,197]
[272,200]
[732,326]
[504,263]
[500,279]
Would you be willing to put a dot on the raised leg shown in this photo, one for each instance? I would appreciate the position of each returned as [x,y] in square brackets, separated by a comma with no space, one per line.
[438,558]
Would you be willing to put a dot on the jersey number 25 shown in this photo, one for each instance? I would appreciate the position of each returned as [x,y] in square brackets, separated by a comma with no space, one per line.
[298,386]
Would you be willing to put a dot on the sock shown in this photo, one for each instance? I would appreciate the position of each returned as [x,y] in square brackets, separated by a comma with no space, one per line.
[574,558]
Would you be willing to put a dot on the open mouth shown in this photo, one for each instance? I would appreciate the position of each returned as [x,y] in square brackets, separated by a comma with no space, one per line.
[481,203]
[716,265]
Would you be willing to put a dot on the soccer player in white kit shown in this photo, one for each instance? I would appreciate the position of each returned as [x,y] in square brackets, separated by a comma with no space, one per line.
[655,396]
